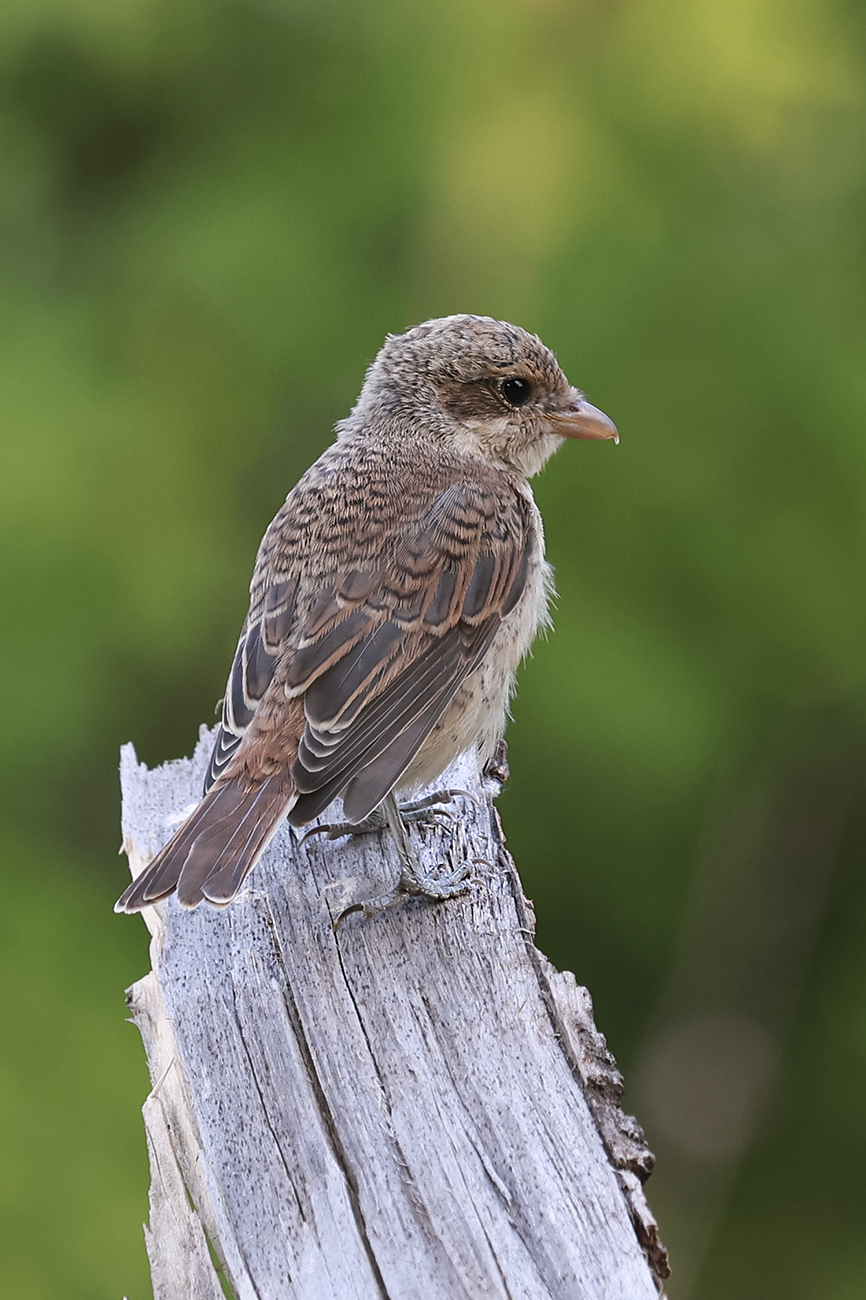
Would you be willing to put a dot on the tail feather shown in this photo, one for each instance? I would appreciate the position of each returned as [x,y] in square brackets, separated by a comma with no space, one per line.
[217,847]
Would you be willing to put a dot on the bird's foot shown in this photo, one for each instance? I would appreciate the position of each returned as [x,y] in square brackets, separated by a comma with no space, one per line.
[436,887]
[432,884]
[376,821]
[419,812]
[430,811]
[438,883]
[414,884]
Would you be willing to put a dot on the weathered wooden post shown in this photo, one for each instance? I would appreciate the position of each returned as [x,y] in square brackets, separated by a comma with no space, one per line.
[412,1105]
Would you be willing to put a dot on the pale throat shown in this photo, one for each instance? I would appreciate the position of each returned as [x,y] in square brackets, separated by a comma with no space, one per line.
[497,441]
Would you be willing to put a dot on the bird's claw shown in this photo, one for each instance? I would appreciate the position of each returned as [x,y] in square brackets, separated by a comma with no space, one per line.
[437,797]
[425,811]
[428,817]
[376,821]
[436,887]
[371,907]
[429,811]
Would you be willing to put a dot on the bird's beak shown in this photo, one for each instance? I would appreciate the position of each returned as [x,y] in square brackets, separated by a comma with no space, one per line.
[583,420]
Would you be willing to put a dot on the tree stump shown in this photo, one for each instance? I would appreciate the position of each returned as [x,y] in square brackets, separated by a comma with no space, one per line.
[412,1105]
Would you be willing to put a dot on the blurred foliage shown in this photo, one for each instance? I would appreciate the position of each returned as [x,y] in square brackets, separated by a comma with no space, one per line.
[211,213]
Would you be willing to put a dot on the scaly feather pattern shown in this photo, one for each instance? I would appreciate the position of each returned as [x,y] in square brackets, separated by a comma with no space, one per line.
[393,596]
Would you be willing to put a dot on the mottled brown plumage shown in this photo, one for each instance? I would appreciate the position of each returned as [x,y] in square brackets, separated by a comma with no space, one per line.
[393,597]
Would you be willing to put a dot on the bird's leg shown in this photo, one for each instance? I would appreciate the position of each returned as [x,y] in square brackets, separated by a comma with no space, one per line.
[429,810]
[426,811]
[374,821]
[413,880]
[391,816]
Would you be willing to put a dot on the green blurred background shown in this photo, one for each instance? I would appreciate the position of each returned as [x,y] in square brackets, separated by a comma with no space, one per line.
[211,214]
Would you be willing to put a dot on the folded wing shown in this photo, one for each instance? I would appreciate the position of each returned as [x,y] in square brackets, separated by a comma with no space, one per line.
[341,673]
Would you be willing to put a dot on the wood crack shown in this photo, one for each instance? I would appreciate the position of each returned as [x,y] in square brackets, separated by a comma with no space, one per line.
[345,1141]
[330,1127]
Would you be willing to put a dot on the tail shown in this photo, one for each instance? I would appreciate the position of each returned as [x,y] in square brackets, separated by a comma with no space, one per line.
[217,847]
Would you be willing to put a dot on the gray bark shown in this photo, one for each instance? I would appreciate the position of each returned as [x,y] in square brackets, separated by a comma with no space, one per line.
[413,1105]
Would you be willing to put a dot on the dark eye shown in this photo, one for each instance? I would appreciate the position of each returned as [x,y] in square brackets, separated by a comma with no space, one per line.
[516,391]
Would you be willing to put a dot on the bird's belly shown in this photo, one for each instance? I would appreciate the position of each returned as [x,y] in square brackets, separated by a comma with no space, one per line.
[478,713]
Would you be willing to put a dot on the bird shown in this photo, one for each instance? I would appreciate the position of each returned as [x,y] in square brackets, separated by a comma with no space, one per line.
[394,595]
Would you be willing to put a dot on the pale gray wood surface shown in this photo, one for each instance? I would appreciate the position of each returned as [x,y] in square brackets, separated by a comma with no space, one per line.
[415,1105]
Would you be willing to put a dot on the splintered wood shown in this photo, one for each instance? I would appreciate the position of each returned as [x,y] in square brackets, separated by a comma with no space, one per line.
[410,1105]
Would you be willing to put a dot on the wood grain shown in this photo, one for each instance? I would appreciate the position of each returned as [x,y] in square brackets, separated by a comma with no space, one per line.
[413,1105]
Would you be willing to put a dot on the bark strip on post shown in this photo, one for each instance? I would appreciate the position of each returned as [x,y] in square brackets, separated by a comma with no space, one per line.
[413,1105]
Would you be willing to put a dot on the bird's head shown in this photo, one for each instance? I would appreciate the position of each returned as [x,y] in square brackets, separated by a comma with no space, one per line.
[486,388]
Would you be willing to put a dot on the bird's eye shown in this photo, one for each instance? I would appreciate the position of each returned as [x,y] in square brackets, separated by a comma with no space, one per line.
[516,391]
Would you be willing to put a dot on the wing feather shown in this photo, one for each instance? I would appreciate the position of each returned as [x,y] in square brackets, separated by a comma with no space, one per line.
[211,854]
[376,649]
[429,675]
[382,753]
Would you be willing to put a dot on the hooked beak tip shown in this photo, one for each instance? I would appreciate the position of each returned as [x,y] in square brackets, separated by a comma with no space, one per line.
[583,420]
